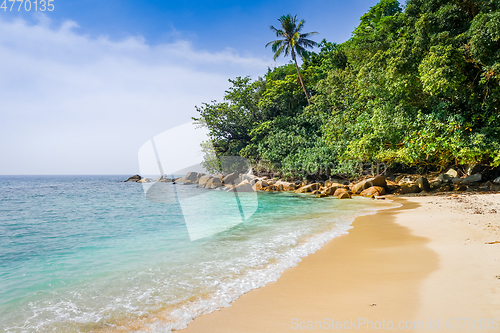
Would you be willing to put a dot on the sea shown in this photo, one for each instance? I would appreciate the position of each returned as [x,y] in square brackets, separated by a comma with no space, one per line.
[94,253]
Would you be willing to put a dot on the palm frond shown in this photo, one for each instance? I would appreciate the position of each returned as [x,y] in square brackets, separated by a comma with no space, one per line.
[307,34]
[278,52]
[307,43]
[300,25]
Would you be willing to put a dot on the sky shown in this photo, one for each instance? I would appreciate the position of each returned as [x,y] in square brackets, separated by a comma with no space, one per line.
[84,86]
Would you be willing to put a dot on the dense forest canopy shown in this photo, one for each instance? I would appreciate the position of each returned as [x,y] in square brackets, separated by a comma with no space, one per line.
[415,88]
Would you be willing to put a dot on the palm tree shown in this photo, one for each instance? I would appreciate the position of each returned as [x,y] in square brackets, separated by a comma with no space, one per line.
[291,42]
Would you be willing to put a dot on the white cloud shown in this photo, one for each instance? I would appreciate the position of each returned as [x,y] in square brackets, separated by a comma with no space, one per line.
[73,104]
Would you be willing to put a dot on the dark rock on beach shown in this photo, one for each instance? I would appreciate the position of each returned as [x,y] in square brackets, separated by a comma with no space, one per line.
[134,178]
[423,184]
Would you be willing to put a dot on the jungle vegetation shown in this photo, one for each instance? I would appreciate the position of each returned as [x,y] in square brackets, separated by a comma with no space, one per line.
[415,88]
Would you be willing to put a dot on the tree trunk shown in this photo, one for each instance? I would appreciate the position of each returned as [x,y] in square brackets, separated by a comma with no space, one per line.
[300,77]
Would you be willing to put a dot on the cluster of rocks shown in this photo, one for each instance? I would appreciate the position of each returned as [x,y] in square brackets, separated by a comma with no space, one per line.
[139,179]
[372,187]
[444,182]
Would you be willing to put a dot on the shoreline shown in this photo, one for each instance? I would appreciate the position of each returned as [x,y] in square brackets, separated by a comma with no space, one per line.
[403,264]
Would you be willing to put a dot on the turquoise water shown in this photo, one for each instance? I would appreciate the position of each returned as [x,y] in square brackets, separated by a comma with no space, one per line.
[84,252]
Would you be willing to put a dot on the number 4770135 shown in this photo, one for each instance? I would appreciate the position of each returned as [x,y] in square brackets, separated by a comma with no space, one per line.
[27,5]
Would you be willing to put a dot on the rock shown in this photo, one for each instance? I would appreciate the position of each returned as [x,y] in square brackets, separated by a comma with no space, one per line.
[445,188]
[330,190]
[392,188]
[452,173]
[165,180]
[423,183]
[339,191]
[399,178]
[412,188]
[260,185]
[308,188]
[134,178]
[497,181]
[344,195]
[244,186]
[322,195]
[191,176]
[376,181]
[198,176]
[406,181]
[213,183]
[203,180]
[445,178]
[316,192]
[231,178]
[472,179]
[435,184]
[242,178]
[460,187]
[144,180]
[373,191]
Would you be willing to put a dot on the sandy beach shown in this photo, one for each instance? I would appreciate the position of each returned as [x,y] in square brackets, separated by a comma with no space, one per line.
[423,266]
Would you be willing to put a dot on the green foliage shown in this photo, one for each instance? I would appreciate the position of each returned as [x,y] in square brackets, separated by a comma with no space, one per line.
[416,88]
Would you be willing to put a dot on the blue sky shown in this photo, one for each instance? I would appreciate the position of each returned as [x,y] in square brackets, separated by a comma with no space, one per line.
[84,86]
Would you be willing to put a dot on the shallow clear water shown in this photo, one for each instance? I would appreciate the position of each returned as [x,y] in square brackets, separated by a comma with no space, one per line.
[83,252]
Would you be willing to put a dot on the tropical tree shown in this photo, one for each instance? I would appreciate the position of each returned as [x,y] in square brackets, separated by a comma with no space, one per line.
[292,42]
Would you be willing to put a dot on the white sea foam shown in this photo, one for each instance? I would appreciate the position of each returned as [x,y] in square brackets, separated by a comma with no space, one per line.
[145,275]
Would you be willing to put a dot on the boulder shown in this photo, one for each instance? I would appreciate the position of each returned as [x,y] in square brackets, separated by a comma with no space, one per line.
[373,191]
[203,180]
[191,176]
[497,181]
[316,192]
[330,190]
[231,178]
[165,180]
[410,188]
[445,178]
[472,179]
[144,180]
[344,195]
[308,188]
[375,181]
[134,178]
[213,183]
[339,191]
[423,183]
[392,188]
[399,178]
[435,184]
[445,188]
[452,173]
[406,181]
[198,176]
[260,185]
[244,186]
[242,178]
